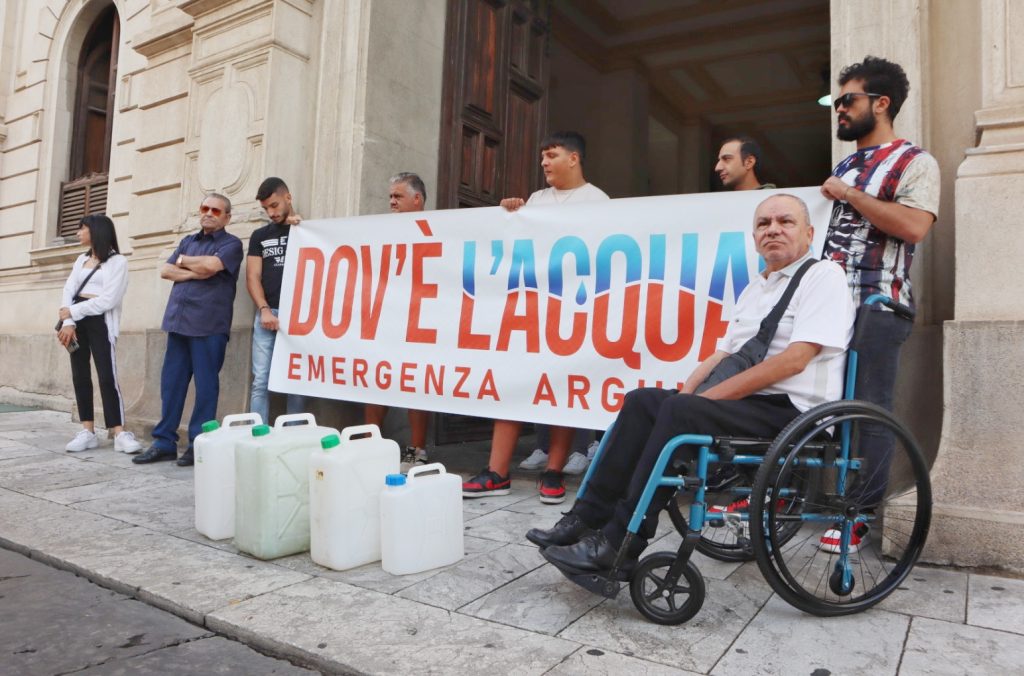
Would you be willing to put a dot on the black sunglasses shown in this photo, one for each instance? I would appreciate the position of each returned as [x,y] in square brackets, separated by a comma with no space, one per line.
[846,100]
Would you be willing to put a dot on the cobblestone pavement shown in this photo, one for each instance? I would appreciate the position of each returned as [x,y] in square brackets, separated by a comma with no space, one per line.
[501,609]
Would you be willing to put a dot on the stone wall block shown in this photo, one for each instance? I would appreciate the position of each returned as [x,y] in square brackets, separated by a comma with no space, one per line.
[158,168]
[14,252]
[21,131]
[16,220]
[161,124]
[988,284]
[165,79]
[20,160]
[18,189]
[27,101]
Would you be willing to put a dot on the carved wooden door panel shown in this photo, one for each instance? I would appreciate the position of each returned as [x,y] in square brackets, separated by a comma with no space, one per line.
[494,102]
[493,116]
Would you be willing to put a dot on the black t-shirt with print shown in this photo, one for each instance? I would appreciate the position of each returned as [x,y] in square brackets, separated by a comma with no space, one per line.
[270,243]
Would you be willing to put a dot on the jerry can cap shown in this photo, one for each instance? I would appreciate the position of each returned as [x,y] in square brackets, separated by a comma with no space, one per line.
[329,442]
[210,426]
[394,480]
[261,430]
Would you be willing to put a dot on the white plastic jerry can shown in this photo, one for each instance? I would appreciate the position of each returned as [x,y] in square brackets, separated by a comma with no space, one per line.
[215,473]
[272,486]
[421,520]
[345,482]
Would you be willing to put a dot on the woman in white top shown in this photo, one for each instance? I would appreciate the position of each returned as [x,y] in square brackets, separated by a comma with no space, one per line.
[90,314]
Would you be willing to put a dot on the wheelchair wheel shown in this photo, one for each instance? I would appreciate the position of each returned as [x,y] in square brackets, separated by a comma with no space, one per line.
[661,602]
[860,528]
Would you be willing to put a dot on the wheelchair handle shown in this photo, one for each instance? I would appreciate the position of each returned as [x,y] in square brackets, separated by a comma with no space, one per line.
[900,309]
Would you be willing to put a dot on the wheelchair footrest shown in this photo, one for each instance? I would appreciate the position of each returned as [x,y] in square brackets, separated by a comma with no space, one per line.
[594,582]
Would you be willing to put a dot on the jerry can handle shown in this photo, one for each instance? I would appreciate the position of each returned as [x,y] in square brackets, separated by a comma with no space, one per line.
[358,431]
[282,420]
[247,419]
[424,469]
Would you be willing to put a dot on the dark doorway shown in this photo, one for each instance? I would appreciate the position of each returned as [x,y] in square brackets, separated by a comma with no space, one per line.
[654,85]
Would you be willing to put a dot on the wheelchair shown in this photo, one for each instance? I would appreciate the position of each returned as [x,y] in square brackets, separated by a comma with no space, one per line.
[817,475]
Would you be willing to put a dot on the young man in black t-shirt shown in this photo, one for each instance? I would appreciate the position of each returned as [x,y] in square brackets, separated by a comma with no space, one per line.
[263,271]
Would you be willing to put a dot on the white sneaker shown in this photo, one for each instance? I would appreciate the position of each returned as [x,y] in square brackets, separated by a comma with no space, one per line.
[536,460]
[83,441]
[412,457]
[592,449]
[576,464]
[127,443]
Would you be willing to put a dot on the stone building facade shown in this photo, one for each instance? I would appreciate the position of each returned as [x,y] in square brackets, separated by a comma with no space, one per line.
[337,95]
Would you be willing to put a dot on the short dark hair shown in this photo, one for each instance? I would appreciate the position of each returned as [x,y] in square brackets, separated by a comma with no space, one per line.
[102,235]
[572,141]
[412,180]
[269,187]
[748,148]
[880,77]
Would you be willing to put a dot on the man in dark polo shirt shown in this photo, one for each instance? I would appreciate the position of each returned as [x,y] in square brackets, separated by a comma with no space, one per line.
[264,268]
[204,269]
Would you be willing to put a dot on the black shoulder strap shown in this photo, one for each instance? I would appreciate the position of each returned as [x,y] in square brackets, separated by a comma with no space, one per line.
[86,280]
[770,324]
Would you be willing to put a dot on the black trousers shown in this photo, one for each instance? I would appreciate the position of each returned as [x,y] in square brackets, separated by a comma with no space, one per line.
[94,340]
[648,419]
[878,363]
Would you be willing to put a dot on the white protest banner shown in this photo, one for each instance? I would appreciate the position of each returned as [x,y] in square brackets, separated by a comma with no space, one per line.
[549,314]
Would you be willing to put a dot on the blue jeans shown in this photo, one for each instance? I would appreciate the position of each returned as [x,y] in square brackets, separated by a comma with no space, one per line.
[262,352]
[187,358]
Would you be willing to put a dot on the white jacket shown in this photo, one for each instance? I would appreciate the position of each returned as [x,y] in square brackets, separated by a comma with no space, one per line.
[108,301]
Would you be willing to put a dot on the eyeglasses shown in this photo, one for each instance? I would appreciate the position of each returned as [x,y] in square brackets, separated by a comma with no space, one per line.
[216,211]
[846,100]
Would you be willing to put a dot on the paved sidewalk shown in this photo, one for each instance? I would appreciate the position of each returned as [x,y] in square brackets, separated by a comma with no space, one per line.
[500,610]
[53,622]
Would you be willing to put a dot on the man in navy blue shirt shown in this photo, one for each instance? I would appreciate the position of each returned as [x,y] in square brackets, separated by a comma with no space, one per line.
[204,269]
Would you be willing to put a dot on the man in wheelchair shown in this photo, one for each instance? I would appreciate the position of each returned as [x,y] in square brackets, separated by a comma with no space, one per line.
[803,367]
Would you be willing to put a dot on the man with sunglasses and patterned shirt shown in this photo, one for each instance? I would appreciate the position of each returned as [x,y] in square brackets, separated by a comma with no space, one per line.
[886,198]
[204,269]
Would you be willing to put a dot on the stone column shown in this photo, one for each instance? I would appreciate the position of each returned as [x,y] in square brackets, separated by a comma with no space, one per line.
[979,505]
[622,133]
[250,103]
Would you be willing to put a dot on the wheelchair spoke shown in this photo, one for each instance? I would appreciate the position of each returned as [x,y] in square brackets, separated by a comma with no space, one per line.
[878,505]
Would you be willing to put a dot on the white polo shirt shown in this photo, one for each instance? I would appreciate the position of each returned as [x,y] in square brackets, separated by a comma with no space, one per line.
[588,192]
[821,311]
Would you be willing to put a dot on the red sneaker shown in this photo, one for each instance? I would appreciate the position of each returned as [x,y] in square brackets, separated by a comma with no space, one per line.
[551,486]
[831,540]
[741,505]
[486,483]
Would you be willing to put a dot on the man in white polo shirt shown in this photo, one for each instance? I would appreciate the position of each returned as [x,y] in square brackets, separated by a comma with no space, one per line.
[803,367]
[561,159]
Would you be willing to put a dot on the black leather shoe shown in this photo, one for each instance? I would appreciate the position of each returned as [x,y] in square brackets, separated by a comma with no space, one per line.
[154,454]
[186,459]
[568,531]
[591,554]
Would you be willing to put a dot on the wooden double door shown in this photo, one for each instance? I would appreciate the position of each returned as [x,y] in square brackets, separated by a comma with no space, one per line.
[494,106]
[493,117]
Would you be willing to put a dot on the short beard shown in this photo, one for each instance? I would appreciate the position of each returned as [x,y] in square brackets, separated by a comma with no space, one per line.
[857,129]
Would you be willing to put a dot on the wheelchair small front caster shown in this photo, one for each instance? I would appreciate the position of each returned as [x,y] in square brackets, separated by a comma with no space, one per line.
[840,584]
[662,600]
